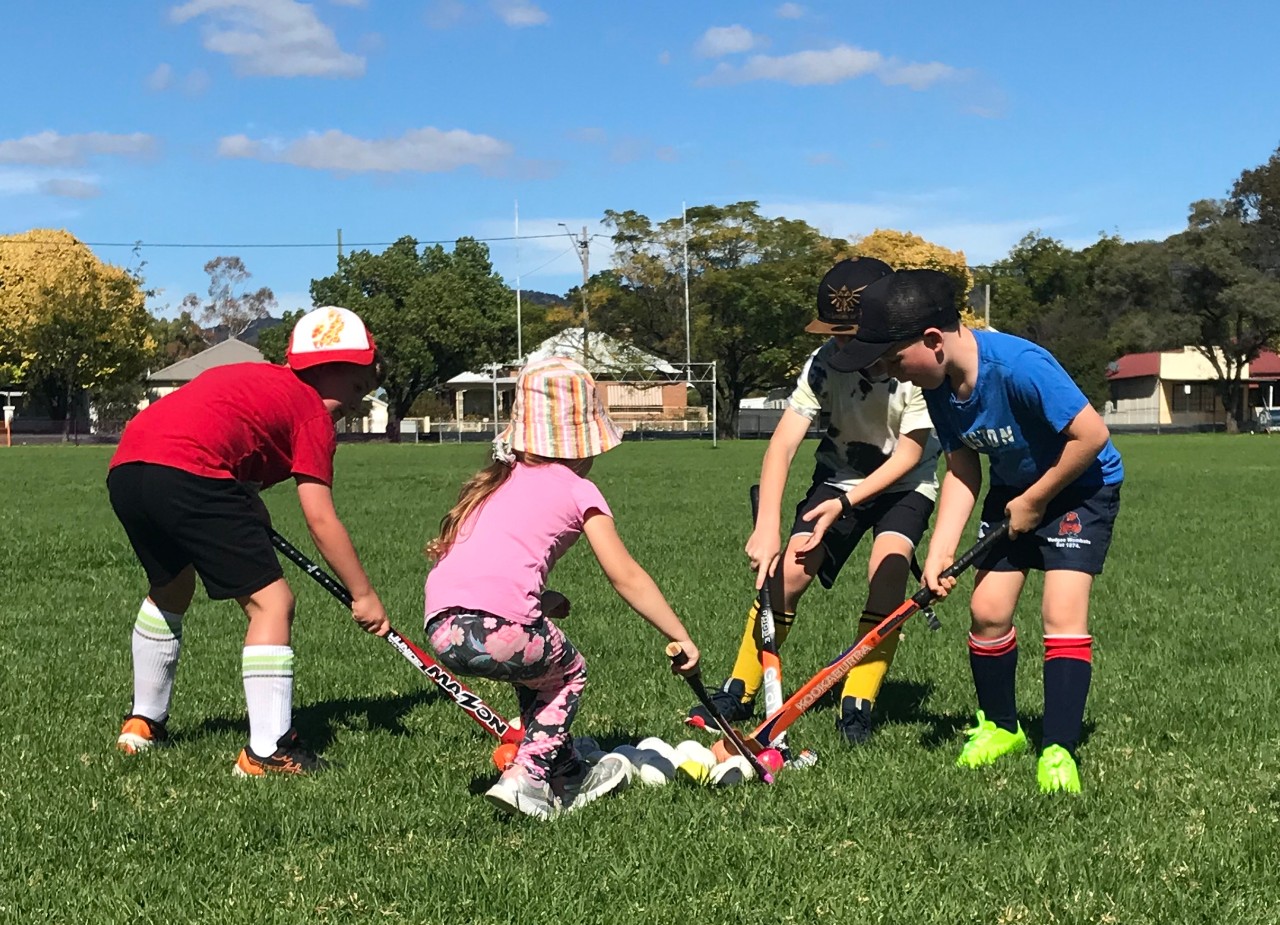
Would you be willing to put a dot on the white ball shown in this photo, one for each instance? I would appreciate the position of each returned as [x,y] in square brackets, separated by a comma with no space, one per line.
[650,771]
[697,752]
[733,770]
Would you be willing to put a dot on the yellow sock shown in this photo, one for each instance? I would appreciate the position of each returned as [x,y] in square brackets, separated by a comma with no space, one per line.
[746,667]
[866,677]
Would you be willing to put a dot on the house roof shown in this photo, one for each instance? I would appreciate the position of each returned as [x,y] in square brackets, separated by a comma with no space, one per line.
[1138,365]
[1134,366]
[606,354]
[223,354]
[249,333]
[1267,365]
[608,357]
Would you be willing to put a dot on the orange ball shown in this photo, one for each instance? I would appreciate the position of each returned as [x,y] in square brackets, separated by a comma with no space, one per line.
[721,751]
[504,756]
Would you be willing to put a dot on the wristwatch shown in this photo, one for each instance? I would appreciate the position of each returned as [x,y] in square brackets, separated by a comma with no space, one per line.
[846,506]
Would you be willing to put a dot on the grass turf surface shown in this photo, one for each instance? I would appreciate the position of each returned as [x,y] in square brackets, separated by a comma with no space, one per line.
[1178,821]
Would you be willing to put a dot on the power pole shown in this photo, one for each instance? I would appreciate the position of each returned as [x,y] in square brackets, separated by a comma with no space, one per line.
[583,245]
[339,243]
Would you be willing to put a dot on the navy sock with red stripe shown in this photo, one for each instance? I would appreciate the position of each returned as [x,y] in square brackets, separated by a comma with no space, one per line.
[1068,670]
[994,663]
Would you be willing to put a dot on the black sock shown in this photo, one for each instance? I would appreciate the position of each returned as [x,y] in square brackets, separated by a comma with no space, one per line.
[1068,670]
[994,663]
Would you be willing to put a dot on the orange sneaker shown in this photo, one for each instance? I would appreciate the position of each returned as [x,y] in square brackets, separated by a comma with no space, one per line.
[140,733]
[290,757]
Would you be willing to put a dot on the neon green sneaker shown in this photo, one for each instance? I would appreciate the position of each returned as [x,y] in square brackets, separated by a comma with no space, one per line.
[988,743]
[1057,771]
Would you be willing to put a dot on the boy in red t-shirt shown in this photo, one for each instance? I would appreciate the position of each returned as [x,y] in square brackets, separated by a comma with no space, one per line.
[184,483]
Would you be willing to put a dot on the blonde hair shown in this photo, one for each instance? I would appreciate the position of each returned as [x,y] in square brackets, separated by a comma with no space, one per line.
[476,491]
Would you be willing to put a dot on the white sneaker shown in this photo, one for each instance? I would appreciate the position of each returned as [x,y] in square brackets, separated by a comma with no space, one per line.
[585,783]
[517,792]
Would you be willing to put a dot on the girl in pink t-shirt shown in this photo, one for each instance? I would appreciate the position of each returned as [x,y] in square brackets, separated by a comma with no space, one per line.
[487,604]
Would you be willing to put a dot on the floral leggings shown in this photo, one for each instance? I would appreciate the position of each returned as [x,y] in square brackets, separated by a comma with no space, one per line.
[538,659]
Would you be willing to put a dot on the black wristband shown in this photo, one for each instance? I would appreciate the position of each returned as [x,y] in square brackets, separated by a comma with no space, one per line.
[846,506]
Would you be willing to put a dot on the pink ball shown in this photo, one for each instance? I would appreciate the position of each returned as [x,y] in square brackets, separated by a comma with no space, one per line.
[772,759]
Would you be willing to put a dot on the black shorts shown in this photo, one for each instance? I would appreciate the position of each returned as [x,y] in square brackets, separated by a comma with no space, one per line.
[905,513]
[175,519]
[1074,535]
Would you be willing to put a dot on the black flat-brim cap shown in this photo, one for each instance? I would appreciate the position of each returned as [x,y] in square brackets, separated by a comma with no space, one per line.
[895,308]
[839,292]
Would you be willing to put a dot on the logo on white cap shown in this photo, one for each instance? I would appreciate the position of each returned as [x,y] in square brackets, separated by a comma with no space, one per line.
[329,335]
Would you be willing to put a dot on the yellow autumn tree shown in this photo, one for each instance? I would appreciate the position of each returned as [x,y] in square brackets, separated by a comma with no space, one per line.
[903,250]
[69,323]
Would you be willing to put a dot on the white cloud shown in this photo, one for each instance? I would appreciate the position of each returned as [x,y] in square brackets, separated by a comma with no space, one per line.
[355,3]
[443,14]
[160,79]
[835,65]
[519,13]
[68,188]
[195,83]
[271,38]
[789,11]
[915,76]
[53,148]
[726,40]
[45,182]
[423,150]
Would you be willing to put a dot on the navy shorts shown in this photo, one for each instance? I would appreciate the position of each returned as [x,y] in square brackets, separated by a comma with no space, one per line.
[1074,535]
[175,519]
[903,512]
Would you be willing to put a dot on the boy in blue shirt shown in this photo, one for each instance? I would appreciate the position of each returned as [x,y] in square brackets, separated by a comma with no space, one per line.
[1054,474]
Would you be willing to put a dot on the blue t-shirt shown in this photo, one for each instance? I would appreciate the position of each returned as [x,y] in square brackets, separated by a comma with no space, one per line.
[1022,402]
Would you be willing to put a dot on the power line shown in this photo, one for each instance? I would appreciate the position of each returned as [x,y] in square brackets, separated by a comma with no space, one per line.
[326,244]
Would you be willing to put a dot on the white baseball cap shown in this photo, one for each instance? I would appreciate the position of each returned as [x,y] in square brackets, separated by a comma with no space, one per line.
[329,335]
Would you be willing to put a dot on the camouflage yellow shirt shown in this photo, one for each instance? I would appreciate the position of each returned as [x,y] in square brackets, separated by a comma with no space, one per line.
[863,420]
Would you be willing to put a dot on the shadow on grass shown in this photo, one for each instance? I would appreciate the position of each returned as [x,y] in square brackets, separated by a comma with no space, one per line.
[318,722]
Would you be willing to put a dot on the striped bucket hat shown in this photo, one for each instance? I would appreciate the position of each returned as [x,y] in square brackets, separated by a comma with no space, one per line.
[557,414]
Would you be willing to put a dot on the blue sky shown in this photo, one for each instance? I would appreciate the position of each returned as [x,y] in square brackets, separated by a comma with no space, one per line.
[275,122]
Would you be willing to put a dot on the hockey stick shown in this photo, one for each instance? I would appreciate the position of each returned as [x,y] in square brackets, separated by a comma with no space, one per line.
[484,715]
[676,654]
[776,724]
[770,661]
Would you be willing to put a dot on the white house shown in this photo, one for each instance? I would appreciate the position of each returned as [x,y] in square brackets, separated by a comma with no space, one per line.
[634,385]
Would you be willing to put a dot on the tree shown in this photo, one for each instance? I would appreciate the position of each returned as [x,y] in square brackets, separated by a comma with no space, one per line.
[176,339]
[72,324]
[226,308]
[273,343]
[752,286]
[903,250]
[1041,292]
[1232,305]
[433,314]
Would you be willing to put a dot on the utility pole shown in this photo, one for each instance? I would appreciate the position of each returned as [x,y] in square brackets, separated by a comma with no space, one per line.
[583,245]
[339,243]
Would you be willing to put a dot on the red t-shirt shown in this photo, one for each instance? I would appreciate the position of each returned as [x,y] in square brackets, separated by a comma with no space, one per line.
[252,422]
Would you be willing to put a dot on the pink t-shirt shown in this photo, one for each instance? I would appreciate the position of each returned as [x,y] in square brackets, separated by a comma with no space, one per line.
[504,551]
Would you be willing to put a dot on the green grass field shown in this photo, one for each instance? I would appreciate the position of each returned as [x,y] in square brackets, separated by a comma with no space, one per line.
[1178,822]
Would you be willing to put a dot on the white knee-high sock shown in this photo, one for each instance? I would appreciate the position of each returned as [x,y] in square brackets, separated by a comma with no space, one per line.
[157,642]
[268,692]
